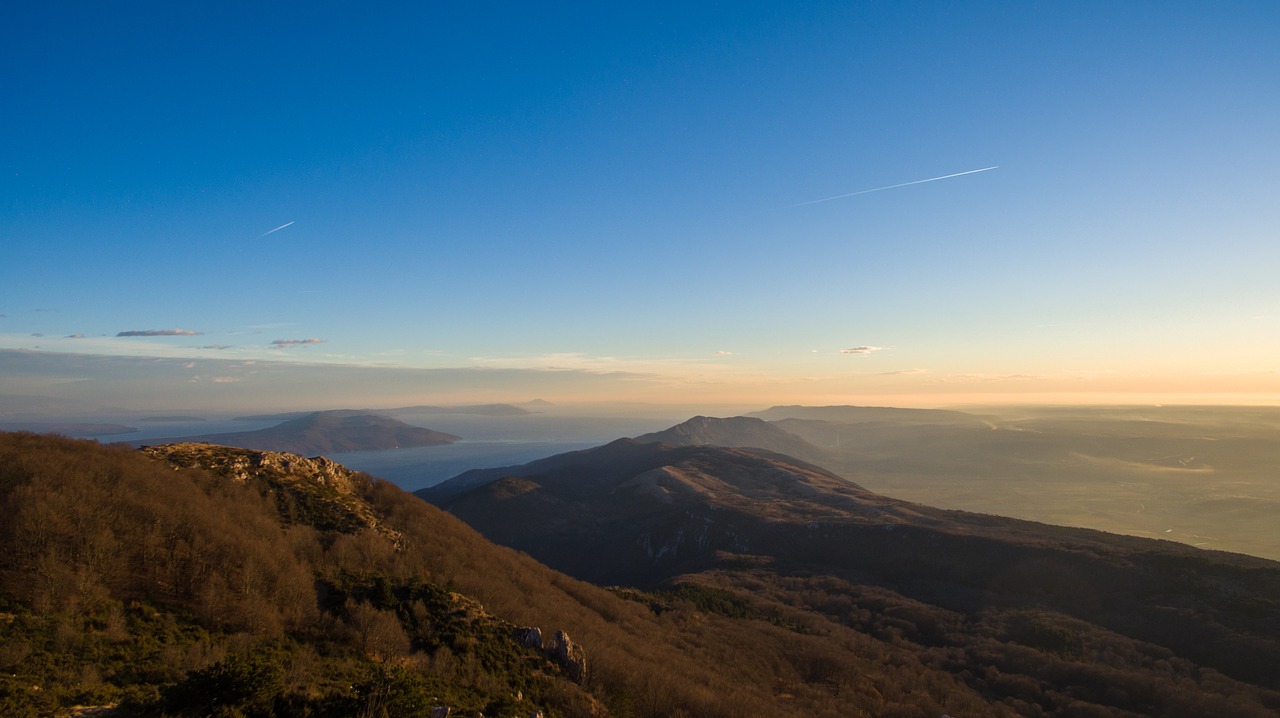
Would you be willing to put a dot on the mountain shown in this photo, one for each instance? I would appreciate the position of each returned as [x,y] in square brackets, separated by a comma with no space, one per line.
[738,431]
[1051,608]
[644,511]
[202,580]
[327,432]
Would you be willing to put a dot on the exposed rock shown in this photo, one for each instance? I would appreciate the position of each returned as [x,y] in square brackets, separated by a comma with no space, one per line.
[530,637]
[441,712]
[570,656]
[330,492]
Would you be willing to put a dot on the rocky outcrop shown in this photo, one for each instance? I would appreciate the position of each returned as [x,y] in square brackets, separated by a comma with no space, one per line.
[570,656]
[560,649]
[324,493]
[530,637]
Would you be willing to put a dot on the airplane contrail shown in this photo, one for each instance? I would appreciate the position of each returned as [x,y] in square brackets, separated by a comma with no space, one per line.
[277,229]
[893,186]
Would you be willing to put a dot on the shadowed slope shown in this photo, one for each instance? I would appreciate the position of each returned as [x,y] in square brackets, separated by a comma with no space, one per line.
[642,514]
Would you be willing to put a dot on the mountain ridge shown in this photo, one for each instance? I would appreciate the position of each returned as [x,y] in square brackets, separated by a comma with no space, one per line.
[638,523]
[738,432]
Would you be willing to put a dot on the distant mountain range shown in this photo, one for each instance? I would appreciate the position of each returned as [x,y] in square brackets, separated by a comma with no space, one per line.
[325,432]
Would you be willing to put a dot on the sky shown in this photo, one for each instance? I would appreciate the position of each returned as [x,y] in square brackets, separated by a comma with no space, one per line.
[308,205]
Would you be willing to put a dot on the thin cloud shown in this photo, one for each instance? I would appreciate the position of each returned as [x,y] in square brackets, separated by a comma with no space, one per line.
[903,372]
[159,333]
[987,378]
[862,350]
[287,343]
[215,346]
[225,379]
[723,353]
[77,335]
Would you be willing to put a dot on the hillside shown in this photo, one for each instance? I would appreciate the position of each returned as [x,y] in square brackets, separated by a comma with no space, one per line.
[326,432]
[634,513]
[739,431]
[1052,618]
[197,580]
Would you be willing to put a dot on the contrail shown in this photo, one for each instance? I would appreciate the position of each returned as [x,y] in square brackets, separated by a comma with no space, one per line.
[892,186]
[277,229]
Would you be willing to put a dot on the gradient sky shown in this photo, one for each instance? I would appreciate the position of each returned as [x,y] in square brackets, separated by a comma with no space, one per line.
[625,194]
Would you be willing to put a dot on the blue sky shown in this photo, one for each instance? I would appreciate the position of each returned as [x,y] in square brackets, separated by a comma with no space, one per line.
[620,193]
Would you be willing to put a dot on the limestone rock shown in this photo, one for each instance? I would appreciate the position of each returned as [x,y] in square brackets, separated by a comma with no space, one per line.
[570,656]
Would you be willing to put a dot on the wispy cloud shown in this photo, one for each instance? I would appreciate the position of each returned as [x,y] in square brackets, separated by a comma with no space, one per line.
[862,350]
[287,343]
[215,346]
[225,379]
[903,372]
[987,378]
[723,353]
[159,333]
[77,335]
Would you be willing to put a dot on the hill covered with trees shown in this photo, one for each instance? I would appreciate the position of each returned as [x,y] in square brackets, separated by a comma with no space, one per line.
[194,580]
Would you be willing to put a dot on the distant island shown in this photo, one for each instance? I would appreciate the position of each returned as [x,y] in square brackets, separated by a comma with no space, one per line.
[472,409]
[325,432]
